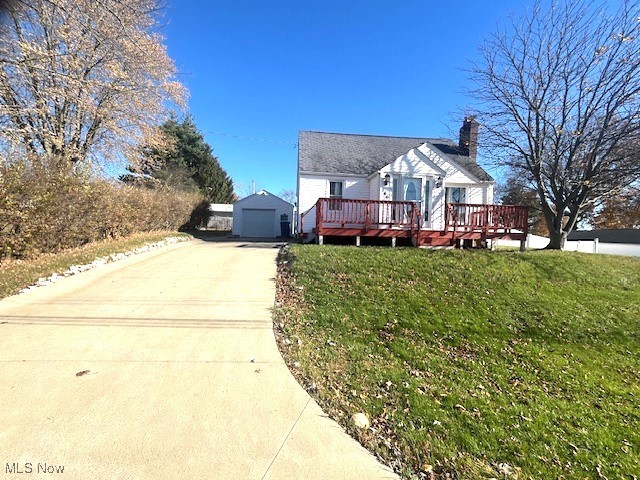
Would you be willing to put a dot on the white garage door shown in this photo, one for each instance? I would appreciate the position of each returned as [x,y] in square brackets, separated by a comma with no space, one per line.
[258,222]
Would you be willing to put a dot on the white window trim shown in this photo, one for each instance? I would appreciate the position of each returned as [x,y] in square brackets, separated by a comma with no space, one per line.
[466,191]
[342,187]
[335,205]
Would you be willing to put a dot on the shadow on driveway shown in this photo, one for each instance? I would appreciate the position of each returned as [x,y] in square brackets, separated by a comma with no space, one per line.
[225,236]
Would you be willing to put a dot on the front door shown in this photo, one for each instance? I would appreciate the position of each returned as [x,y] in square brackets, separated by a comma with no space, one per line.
[412,193]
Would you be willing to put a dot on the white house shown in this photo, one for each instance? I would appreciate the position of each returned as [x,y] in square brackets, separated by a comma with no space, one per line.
[430,190]
[261,215]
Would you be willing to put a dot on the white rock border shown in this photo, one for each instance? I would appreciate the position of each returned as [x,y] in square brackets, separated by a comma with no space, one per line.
[102,261]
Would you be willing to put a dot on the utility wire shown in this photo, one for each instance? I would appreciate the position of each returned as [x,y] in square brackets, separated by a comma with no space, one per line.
[253,139]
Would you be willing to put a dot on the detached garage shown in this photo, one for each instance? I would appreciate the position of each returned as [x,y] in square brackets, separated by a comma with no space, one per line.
[260,214]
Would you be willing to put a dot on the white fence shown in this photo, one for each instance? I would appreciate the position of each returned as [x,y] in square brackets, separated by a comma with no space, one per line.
[219,222]
[583,246]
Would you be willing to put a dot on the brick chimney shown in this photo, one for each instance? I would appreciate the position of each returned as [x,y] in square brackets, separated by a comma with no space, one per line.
[468,142]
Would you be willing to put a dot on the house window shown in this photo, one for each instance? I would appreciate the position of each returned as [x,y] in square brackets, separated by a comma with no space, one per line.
[456,194]
[335,189]
[394,196]
[411,194]
[335,192]
[427,199]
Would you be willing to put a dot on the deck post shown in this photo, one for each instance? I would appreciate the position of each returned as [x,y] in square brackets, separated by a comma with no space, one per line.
[367,215]
[357,240]
[393,241]
[595,245]
[523,245]
[320,239]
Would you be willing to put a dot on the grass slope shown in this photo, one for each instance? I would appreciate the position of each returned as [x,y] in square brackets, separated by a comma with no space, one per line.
[18,274]
[473,364]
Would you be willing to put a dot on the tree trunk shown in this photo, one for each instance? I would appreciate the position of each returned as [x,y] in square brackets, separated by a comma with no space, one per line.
[557,235]
[556,240]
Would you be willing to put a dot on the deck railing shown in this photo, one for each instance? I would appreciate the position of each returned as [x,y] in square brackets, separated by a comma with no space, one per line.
[486,218]
[342,212]
[459,217]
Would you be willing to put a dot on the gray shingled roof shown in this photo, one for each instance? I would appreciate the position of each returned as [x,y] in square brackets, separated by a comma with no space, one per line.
[344,153]
[623,235]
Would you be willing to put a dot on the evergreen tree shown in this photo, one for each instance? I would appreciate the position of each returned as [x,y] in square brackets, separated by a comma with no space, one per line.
[186,162]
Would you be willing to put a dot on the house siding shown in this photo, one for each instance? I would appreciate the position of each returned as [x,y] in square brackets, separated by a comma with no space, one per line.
[412,164]
[437,212]
[375,185]
[452,173]
[354,188]
[315,186]
[475,194]
[489,193]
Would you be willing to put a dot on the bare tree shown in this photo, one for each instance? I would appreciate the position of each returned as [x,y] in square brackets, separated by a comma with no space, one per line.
[289,195]
[243,189]
[558,94]
[515,190]
[83,79]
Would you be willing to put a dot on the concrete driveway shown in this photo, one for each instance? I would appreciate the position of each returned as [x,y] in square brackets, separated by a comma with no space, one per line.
[183,379]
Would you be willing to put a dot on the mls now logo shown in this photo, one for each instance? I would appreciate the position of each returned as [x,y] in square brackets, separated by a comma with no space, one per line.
[28,467]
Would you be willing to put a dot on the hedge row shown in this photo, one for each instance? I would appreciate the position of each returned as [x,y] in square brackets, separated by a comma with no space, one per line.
[44,211]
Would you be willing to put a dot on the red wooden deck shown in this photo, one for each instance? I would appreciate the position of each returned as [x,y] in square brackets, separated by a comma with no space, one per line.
[386,219]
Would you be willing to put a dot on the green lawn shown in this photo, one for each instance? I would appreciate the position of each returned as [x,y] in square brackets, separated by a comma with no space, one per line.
[476,364]
[17,274]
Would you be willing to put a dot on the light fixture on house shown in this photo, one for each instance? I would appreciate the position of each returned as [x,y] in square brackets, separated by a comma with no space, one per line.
[438,182]
[387,179]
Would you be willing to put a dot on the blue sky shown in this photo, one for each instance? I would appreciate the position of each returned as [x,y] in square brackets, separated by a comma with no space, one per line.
[265,70]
